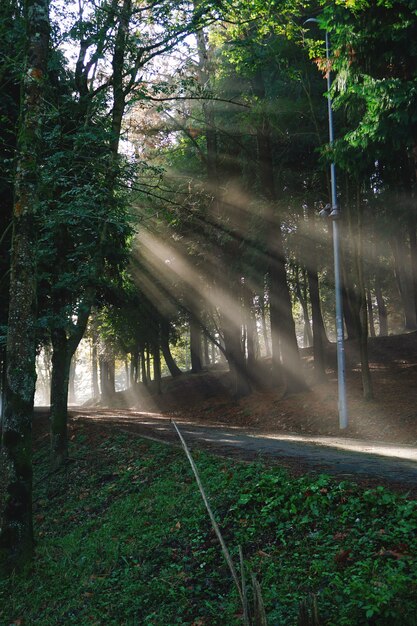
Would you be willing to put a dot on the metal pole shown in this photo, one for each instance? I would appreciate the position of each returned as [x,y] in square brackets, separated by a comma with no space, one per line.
[335,216]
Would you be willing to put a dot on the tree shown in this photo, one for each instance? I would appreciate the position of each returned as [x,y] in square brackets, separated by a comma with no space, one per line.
[16,535]
[11,53]
[375,76]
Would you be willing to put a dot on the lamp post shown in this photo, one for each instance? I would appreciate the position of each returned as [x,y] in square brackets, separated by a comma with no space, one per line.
[335,216]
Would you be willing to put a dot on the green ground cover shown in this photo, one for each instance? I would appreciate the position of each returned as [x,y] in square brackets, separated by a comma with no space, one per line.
[123,538]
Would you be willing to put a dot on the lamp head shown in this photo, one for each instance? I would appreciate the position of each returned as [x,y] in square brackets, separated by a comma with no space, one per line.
[325,211]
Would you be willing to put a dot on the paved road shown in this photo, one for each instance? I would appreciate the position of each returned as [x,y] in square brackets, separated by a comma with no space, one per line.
[348,458]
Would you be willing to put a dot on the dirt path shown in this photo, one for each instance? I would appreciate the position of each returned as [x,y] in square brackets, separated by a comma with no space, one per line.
[362,461]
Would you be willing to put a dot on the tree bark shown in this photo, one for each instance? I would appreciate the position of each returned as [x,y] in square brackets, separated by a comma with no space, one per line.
[382,309]
[157,367]
[264,325]
[195,346]
[363,329]
[134,367]
[71,383]
[319,332]
[61,362]
[64,345]
[413,258]
[16,534]
[236,358]
[251,332]
[94,368]
[143,364]
[173,368]
[148,363]
[2,386]
[308,337]
[206,351]
[370,312]
[107,377]
[401,265]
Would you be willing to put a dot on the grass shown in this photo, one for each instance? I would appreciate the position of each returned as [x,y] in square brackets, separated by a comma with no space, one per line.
[123,538]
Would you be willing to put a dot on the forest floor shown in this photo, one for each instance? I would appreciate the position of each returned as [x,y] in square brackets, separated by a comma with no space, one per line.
[390,417]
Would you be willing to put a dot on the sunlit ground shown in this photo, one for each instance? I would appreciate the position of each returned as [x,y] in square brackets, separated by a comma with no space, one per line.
[216,428]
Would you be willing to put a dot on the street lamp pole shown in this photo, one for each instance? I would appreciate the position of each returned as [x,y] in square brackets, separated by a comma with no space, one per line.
[335,216]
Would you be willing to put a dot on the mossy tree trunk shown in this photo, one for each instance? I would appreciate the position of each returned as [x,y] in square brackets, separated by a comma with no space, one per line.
[16,534]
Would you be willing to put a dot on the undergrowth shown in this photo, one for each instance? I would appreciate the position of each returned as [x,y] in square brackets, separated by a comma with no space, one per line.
[123,538]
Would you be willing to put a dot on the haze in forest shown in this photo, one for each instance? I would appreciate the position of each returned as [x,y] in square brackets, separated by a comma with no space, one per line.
[165,170]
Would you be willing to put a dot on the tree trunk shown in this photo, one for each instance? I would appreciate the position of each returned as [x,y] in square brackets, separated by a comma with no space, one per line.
[412,223]
[350,310]
[413,258]
[363,329]
[134,367]
[285,355]
[195,346]
[2,386]
[213,353]
[401,265]
[264,326]
[308,337]
[229,254]
[310,261]
[112,376]
[236,359]
[127,377]
[251,332]
[157,368]
[119,95]
[64,345]
[382,309]
[61,361]
[143,363]
[173,368]
[370,312]
[148,363]
[16,531]
[94,369]
[107,371]
[206,351]
[71,384]
[319,333]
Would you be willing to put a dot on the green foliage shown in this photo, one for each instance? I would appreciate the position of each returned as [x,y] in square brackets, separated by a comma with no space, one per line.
[374,61]
[123,538]
[12,39]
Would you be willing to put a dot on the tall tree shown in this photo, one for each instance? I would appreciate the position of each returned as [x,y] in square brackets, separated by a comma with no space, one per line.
[16,534]
[11,52]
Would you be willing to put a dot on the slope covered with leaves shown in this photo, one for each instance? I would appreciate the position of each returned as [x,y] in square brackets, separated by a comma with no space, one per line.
[123,538]
[391,416]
